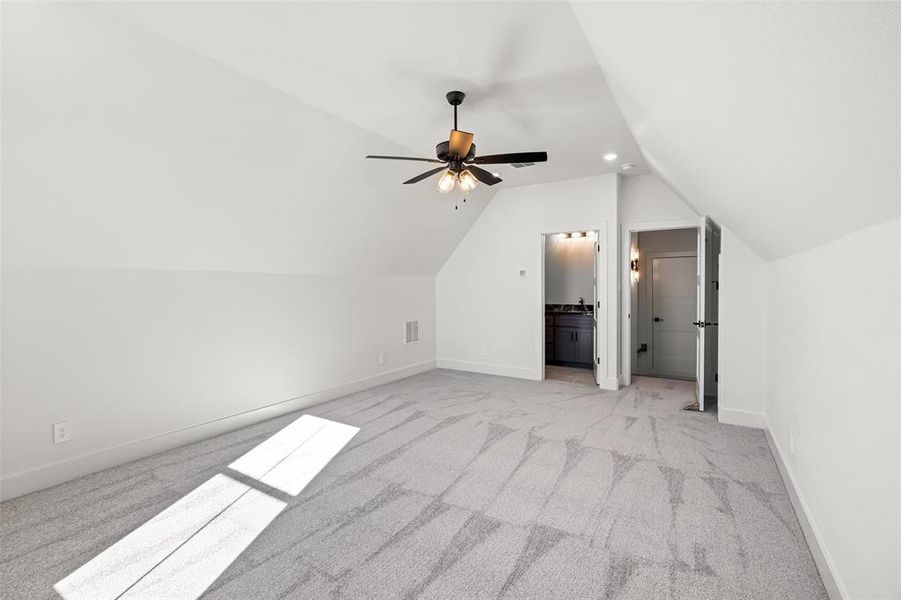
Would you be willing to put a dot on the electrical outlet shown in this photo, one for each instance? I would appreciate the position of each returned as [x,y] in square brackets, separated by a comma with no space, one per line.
[522,274]
[484,350]
[383,358]
[62,432]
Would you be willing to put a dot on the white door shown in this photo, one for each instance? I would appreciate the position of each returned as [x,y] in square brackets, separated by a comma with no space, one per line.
[673,306]
[711,311]
[594,311]
[700,323]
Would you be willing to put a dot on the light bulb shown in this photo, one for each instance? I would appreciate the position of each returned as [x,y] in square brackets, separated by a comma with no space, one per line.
[446,182]
[468,182]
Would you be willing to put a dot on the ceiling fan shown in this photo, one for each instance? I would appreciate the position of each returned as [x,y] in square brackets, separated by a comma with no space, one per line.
[458,160]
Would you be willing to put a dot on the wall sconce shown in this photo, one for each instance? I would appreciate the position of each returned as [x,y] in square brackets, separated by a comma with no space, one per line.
[578,234]
[633,266]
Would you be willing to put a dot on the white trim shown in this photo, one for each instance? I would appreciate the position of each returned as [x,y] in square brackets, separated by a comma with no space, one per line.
[23,482]
[625,299]
[828,573]
[610,383]
[744,418]
[488,368]
[601,314]
[661,225]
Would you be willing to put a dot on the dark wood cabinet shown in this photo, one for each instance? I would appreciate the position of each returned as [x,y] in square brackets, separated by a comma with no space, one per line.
[584,346]
[564,344]
[569,339]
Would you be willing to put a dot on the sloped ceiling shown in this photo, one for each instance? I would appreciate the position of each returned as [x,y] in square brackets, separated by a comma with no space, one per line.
[124,150]
[780,120]
[231,135]
[531,79]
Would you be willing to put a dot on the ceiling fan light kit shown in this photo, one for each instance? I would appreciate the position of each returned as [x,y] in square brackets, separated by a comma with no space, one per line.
[459,159]
[447,181]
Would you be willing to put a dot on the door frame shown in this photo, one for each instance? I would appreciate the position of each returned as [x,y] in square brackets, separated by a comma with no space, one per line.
[629,237]
[602,307]
[650,256]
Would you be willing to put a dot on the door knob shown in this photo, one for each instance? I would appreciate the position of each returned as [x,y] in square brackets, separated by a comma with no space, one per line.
[698,323]
[657,319]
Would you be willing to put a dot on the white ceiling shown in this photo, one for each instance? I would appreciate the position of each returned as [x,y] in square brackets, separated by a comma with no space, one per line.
[780,120]
[532,81]
[124,150]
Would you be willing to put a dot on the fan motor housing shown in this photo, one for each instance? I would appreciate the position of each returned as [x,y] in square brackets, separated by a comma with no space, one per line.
[443,152]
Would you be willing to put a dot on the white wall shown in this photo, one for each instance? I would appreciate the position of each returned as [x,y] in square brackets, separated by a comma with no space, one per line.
[568,269]
[646,198]
[743,319]
[139,360]
[481,301]
[646,203]
[176,252]
[833,386]
[667,240]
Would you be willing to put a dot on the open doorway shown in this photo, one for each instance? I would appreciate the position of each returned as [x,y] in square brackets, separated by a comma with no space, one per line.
[570,301]
[665,304]
[671,305]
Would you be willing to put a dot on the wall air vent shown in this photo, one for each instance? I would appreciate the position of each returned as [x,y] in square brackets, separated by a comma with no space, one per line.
[411,332]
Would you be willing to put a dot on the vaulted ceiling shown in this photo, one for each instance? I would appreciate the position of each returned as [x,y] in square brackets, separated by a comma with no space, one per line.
[230,135]
[531,80]
[779,119]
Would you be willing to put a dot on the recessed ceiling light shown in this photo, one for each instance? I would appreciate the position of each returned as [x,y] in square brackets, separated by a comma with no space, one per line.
[610,156]
[626,166]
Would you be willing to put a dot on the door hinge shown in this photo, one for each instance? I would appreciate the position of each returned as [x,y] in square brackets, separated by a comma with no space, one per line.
[716,378]
[716,283]
[598,359]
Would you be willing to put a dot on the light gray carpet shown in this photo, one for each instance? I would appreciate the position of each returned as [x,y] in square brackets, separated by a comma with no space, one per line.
[469,486]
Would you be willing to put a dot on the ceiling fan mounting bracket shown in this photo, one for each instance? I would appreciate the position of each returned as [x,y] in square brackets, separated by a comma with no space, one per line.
[455,98]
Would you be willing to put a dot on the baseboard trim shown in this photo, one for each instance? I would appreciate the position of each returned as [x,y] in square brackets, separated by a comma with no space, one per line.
[487,368]
[24,482]
[831,581]
[745,418]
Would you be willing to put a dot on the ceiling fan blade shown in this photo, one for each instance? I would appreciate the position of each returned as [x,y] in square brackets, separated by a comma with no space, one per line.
[431,160]
[460,142]
[513,157]
[427,174]
[483,175]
